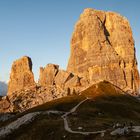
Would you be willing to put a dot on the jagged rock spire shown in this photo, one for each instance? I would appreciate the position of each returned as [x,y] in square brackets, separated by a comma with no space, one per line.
[21,75]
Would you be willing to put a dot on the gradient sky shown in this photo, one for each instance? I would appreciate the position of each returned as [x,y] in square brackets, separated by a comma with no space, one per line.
[42,29]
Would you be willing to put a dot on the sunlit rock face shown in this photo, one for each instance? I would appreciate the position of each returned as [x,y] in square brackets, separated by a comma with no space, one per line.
[21,75]
[48,74]
[102,48]
[51,75]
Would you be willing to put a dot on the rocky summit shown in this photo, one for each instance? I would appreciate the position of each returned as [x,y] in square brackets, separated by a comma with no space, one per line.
[102,48]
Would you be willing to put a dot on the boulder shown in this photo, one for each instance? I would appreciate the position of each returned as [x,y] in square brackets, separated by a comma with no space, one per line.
[102,48]
[21,75]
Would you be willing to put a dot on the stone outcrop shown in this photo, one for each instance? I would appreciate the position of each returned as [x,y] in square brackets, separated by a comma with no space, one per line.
[102,48]
[48,74]
[21,75]
[53,84]
[51,75]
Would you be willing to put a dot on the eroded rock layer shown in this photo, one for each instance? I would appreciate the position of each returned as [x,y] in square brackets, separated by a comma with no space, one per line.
[102,48]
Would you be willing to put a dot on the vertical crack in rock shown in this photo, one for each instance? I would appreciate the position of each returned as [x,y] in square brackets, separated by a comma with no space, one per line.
[106,33]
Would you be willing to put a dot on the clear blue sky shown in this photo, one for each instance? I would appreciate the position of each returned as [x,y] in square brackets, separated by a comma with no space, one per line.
[42,29]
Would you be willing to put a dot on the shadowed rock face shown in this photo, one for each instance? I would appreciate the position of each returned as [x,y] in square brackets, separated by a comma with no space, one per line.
[21,75]
[102,48]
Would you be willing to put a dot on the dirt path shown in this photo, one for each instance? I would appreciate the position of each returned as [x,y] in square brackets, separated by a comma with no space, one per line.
[67,127]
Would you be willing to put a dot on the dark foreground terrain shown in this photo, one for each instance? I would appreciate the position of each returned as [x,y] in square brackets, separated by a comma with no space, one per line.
[101,112]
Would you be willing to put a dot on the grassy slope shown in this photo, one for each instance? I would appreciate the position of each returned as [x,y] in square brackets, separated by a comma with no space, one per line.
[107,105]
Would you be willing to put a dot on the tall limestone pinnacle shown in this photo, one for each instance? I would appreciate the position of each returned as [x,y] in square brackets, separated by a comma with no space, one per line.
[21,75]
[102,48]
